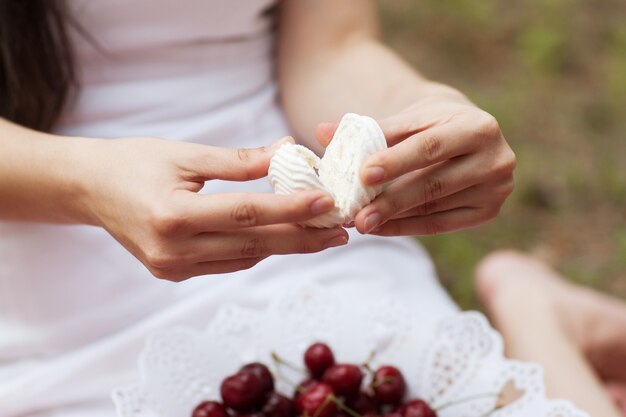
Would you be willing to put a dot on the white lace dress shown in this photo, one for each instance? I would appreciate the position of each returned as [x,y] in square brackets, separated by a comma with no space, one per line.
[75,307]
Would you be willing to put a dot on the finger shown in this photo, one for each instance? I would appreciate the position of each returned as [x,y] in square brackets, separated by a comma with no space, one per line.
[433,224]
[203,162]
[402,125]
[416,119]
[476,196]
[395,128]
[178,274]
[420,187]
[418,151]
[277,240]
[205,213]
[255,242]
[325,132]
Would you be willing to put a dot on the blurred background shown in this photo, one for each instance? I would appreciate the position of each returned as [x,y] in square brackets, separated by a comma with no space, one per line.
[553,72]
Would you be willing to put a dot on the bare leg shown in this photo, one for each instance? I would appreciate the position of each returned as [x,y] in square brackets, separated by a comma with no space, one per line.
[567,329]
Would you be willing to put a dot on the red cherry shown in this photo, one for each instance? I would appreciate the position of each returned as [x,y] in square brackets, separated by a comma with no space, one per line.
[264,374]
[302,386]
[243,391]
[314,401]
[418,408]
[278,405]
[344,378]
[340,413]
[394,413]
[362,403]
[317,358]
[209,409]
[389,385]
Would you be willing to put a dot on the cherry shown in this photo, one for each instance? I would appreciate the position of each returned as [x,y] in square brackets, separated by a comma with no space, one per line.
[341,413]
[362,403]
[317,358]
[242,391]
[264,374]
[389,386]
[344,378]
[278,405]
[394,413]
[418,408]
[315,401]
[302,386]
[209,409]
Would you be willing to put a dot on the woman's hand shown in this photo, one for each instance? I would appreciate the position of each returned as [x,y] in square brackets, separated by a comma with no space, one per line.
[449,166]
[144,192]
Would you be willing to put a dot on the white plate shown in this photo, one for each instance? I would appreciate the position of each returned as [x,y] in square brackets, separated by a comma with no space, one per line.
[444,360]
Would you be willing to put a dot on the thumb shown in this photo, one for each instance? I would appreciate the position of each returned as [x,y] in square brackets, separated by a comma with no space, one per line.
[325,131]
[233,164]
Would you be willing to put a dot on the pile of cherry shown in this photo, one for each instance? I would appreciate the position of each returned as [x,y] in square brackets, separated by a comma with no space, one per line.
[331,390]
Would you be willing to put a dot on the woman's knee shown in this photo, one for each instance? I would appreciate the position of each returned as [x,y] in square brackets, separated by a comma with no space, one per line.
[491,274]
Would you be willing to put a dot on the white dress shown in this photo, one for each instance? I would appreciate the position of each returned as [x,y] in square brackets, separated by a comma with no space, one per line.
[75,307]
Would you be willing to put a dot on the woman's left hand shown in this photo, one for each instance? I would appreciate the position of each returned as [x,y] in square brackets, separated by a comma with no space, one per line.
[449,166]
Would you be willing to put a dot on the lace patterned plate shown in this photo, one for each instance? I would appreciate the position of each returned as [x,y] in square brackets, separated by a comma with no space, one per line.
[456,363]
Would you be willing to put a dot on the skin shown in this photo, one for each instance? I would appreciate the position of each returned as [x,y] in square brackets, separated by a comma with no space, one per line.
[448,162]
[144,192]
[576,334]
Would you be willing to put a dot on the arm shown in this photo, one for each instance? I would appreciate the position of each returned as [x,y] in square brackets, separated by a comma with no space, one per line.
[40,176]
[144,192]
[450,165]
[331,61]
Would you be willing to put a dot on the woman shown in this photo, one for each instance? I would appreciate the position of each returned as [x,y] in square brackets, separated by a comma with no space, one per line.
[97,205]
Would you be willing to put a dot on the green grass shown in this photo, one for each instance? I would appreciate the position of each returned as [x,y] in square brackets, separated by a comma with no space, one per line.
[554,74]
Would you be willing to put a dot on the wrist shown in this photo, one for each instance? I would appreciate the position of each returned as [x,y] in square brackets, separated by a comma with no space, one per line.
[43,177]
[75,173]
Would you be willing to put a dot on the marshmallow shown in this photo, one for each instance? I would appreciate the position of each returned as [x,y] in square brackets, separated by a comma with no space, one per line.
[295,168]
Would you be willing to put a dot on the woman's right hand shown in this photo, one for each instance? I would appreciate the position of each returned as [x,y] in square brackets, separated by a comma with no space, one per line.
[144,192]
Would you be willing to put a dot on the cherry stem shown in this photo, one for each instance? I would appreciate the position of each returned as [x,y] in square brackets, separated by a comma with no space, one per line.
[466,399]
[368,361]
[289,365]
[490,412]
[321,408]
[344,407]
[385,380]
[278,361]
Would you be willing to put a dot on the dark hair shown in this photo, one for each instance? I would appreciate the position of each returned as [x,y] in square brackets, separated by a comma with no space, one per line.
[36,62]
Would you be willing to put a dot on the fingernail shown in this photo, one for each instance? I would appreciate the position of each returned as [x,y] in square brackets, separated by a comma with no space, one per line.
[372,221]
[322,205]
[374,175]
[337,241]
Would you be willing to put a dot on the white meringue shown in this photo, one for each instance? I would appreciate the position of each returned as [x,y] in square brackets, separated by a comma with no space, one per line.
[292,169]
[295,168]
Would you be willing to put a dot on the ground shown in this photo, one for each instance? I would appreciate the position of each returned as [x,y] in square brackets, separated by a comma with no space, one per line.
[553,72]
